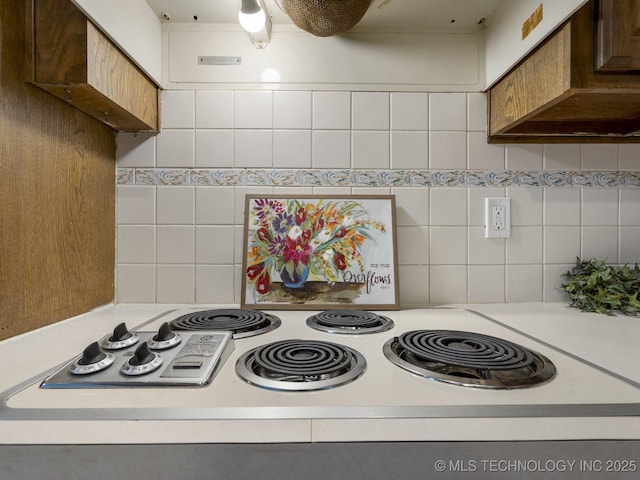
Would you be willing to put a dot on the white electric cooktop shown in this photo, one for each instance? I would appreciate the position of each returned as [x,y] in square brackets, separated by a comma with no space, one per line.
[383,391]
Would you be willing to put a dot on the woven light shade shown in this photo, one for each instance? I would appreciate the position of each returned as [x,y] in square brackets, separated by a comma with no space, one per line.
[325,18]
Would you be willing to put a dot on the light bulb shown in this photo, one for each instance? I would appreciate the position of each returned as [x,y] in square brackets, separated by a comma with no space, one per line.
[251,16]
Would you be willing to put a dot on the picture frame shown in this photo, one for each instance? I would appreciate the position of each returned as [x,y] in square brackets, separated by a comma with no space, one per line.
[320,252]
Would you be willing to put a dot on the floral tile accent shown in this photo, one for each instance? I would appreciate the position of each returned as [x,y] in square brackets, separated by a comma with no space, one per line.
[375,178]
[229,177]
[125,176]
[168,176]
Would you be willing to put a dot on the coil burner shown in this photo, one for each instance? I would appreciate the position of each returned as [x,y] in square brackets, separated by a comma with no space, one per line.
[350,322]
[468,359]
[242,323]
[300,365]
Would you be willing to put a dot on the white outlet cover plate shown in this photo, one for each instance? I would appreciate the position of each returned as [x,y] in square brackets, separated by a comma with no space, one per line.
[497,217]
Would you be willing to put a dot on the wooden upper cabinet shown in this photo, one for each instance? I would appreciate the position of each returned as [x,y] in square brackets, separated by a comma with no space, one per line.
[556,95]
[618,36]
[70,58]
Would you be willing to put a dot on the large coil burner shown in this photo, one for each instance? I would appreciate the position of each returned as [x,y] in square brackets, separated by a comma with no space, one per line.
[350,322]
[242,323]
[300,365]
[468,359]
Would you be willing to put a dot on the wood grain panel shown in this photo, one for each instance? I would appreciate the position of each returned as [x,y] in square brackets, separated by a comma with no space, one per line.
[541,78]
[618,35]
[57,196]
[74,61]
[113,75]
[556,93]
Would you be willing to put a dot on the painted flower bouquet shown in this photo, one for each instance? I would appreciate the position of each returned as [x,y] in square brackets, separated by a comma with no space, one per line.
[297,240]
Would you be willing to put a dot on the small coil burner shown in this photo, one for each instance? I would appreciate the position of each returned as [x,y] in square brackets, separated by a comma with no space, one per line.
[300,365]
[468,359]
[349,321]
[242,323]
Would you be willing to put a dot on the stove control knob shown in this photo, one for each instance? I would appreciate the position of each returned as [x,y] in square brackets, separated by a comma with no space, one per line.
[142,362]
[92,354]
[164,339]
[164,333]
[142,355]
[92,360]
[121,338]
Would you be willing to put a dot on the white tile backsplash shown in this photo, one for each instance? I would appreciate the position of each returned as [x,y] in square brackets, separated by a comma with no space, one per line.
[215,245]
[175,148]
[409,111]
[136,150]
[214,109]
[447,150]
[135,205]
[629,241]
[136,283]
[292,110]
[253,148]
[523,157]
[629,156]
[599,156]
[476,112]
[448,112]
[370,149]
[562,156]
[409,150]
[180,231]
[136,244]
[562,206]
[175,283]
[599,206]
[331,149]
[175,244]
[448,246]
[485,251]
[413,245]
[253,109]
[177,109]
[525,246]
[292,148]
[486,284]
[482,155]
[600,242]
[216,284]
[176,206]
[524,283]
[331,110]
[412,206]
[214,148]
[630,207]
[561,244]
[448,206]
[215,206]
[448,284]
[370,111]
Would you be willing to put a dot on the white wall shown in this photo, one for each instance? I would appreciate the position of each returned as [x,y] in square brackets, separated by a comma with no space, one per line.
[363,60]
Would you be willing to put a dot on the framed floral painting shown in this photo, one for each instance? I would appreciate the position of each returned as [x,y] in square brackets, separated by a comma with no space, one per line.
[320,252]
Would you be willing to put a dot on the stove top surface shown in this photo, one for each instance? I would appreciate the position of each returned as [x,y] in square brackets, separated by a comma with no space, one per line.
[381,390]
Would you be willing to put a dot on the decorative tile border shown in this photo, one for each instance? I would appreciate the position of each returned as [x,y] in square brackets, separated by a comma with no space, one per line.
[374,178]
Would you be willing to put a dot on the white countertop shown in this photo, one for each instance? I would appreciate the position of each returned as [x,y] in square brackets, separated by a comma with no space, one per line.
[610,342]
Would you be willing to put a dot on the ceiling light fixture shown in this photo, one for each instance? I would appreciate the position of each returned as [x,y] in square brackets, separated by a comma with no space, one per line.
[251,16]
[254,18]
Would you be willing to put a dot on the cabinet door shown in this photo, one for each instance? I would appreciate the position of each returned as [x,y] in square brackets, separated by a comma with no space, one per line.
[618,36]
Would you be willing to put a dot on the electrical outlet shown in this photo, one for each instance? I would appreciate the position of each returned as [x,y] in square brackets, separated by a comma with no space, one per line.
[497,217]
